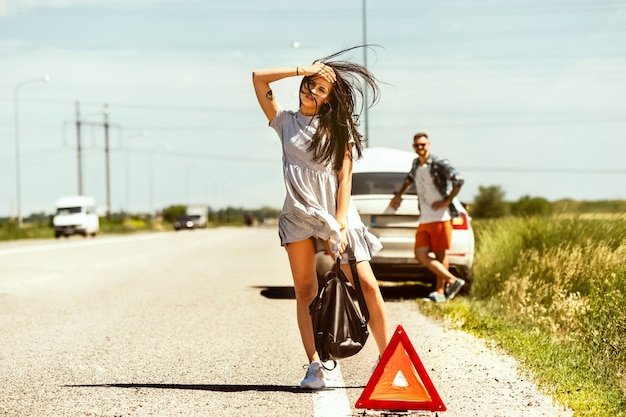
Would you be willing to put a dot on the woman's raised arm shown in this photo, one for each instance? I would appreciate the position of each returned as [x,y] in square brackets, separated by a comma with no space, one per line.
[261,80]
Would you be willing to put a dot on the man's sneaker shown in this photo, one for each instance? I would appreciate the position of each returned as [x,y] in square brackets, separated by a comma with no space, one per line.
[454,289]
[314,378]
[437,297]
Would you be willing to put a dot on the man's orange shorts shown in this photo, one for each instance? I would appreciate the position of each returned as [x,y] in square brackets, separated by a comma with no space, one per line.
[437,236]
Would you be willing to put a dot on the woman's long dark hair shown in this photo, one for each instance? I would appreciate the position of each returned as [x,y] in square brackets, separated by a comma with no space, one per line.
[338,121]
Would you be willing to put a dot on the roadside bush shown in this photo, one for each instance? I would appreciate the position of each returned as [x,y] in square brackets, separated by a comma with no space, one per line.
[489,203]
[172,212]
[564,277]
[531,206]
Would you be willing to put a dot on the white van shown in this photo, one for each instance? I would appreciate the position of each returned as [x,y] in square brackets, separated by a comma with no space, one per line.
[76,215]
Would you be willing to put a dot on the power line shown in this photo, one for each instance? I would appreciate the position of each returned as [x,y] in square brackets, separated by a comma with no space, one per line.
[195,109]
[274,160]
[209,156]
[508,123]
[585,171]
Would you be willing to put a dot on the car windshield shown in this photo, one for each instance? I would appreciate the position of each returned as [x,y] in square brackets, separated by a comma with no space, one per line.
[364,183]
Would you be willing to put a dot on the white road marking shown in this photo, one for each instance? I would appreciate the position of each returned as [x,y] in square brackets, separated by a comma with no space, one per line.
[333,401]
[65,245]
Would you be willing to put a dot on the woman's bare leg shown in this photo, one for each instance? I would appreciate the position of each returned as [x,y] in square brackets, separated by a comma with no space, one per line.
[302,261]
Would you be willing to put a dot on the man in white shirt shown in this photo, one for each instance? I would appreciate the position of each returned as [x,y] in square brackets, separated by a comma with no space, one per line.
[437,183]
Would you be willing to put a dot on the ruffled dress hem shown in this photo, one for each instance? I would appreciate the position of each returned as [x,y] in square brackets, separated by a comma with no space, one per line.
[361,242]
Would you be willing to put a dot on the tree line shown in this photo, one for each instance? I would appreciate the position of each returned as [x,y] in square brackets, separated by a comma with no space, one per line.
[490,203]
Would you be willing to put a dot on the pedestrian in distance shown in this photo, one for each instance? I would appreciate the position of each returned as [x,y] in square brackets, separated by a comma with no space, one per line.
[319,143]
[437,184]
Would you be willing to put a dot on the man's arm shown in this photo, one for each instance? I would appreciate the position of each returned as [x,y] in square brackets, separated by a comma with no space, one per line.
[447,199]
[453,178]
[397,198]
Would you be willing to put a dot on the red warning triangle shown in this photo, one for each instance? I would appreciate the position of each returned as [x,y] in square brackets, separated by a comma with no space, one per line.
[400,381]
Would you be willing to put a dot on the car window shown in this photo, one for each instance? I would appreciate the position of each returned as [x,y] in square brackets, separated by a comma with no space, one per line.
[364,183]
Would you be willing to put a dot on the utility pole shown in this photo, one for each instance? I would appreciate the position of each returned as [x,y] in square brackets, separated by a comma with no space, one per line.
[18,187]
[106,126]
[367,119]
[79,151]
[106,157]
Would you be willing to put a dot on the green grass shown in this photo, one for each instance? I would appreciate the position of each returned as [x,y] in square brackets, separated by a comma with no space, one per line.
[552,292]
[116,225]
[43,229]
[35,230]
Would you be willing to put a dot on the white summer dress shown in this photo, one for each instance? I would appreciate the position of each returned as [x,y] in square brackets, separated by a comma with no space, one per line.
[311,200]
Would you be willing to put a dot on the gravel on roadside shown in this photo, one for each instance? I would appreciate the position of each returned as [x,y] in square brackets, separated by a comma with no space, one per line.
[472,377]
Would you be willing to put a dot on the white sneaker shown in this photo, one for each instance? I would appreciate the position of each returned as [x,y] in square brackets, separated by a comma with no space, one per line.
[314,378]
[375,364]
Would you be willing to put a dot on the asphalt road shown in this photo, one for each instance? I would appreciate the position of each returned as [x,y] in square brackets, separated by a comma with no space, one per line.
[202,323]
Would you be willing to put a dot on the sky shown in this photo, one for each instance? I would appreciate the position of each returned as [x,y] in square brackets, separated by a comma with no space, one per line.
[527,95]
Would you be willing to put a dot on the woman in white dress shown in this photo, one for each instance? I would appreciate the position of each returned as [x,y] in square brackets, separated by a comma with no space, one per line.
[319,143]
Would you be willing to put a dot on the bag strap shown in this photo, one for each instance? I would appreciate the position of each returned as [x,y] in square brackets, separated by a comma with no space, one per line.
[357,283]
[359,291]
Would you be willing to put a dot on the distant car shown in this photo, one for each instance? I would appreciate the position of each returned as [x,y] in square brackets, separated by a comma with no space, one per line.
[375,179]
[185,222]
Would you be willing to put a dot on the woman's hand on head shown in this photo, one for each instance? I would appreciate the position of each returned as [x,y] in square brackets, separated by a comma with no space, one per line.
[321,70]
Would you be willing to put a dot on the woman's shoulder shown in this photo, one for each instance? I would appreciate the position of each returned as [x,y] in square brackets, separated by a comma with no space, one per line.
[278,117]
[284,114]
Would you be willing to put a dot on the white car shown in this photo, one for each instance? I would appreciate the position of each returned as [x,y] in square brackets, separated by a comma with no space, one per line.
[375,178]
